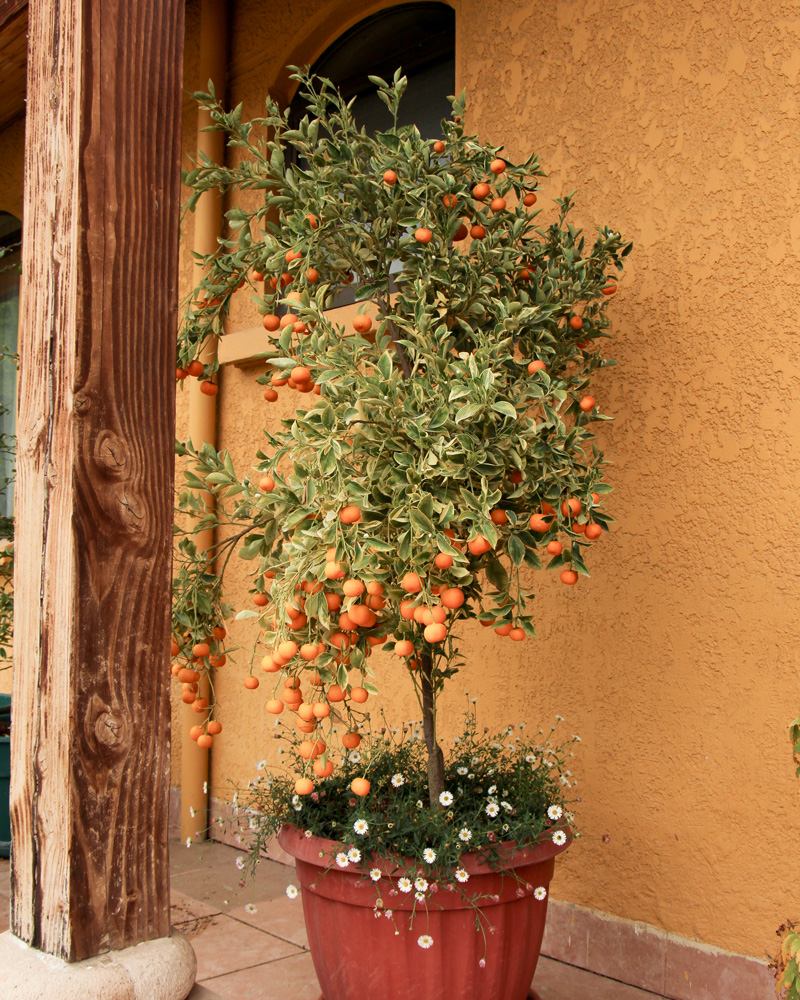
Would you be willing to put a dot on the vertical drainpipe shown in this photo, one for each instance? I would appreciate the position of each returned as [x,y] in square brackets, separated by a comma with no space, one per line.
[203,409]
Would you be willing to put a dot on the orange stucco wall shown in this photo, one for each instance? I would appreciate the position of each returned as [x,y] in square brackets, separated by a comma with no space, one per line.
[675,661]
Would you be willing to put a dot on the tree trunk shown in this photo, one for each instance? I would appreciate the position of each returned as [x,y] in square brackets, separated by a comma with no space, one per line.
[435,755]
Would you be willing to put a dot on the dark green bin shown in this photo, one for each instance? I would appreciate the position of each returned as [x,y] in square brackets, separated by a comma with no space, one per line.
[5,774]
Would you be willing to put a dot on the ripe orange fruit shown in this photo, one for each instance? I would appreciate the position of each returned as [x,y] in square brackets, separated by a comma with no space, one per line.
[405,647]
[270,395]
[346,623]
[497,166]
[251,683]
[350,514]
[187,697]
[438,146]
[288,319]
[323,770]
[406,609]
[205,742]
[333,601]
[539,523]
[515,476]
[571,507]
[411,583]
[593,531]
[576,322]
[312,275]
[504,629]
[278,379]
[569,576]
[321,710]
[536,366]
[479,545]
[301,374]
[288,649]
[481,191]
[271,322]
[309,651]
[304,786]
[333,571]
[498,204]
[201,650]
[517,634]
[529,199]
[477,232]
[360,786]
[267,484]
[460,233]
[174,648]
[335,693]
[389,177]
[435,632]
[499,516]
[362,323]
[313,221]
[587,404]
[195,733]
[449,200]
[443,561]
[423,235]
[181,374]
[608,290]
[555,548]
[452,597]
[195,368]
[260,600]
[214,727]
[275,706]
[359,695]
[351,740]
[353,588]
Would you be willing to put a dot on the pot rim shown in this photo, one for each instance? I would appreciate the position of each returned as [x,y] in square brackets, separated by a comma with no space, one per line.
[294,841]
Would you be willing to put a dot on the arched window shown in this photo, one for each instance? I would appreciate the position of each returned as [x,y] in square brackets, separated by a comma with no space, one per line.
[10,236]
[420,38]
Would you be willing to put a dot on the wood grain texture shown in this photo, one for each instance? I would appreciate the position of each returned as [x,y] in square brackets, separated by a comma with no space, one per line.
[13,61]
[9,10]
[95,458]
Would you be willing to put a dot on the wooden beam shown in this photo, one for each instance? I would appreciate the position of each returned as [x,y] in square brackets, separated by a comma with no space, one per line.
[90,747]
[9,10]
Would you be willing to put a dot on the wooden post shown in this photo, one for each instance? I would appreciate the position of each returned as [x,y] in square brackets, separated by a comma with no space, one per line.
[90,745]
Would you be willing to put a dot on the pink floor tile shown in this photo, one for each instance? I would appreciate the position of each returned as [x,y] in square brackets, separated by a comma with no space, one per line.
[183,908]
[224,945]
[281,917]
[556,981]
[288,978]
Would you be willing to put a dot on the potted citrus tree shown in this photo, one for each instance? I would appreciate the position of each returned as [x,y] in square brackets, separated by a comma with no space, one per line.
[441,451]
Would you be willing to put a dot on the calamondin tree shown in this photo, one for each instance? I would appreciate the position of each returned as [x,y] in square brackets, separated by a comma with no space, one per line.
[442,447]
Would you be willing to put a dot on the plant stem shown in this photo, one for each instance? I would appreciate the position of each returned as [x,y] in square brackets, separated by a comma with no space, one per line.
[435,755]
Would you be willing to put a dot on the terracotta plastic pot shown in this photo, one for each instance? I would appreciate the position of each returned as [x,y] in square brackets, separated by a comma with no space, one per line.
[359,956]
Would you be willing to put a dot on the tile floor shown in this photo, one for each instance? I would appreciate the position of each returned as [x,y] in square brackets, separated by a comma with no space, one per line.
[264,955]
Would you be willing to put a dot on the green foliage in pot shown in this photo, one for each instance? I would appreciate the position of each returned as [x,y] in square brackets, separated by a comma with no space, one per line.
[446,440]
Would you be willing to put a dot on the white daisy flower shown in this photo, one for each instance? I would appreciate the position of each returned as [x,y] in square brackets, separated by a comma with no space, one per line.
[260,765]
[420,884]
[540,893]
[341,860]
[375,874]
[555,812]
[251,908]
[308,833]
[387,914]
[462,770]
[491,789]
[425,941]
[295,800]
[492,809]
[507,806]
[298,807]
[420,897]
[188,841]
[354,855]
[404,884]
[429,855]
[291,891]
[205,788]
[531,758]
[465,835]
[462,874]
[559,838]
[354,757]
[192,811]
[497,746]
[446,798]
[240,862]
[419,803]
[361,827]
[398,780]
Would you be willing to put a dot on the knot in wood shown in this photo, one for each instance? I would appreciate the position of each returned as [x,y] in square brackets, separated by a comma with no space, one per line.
[111,454]
[81,403]
[111,730]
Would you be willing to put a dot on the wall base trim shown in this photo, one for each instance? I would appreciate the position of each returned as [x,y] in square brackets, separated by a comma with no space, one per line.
[645,956]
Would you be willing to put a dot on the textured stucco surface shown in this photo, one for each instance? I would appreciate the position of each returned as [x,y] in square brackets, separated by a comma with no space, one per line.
[675,662]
